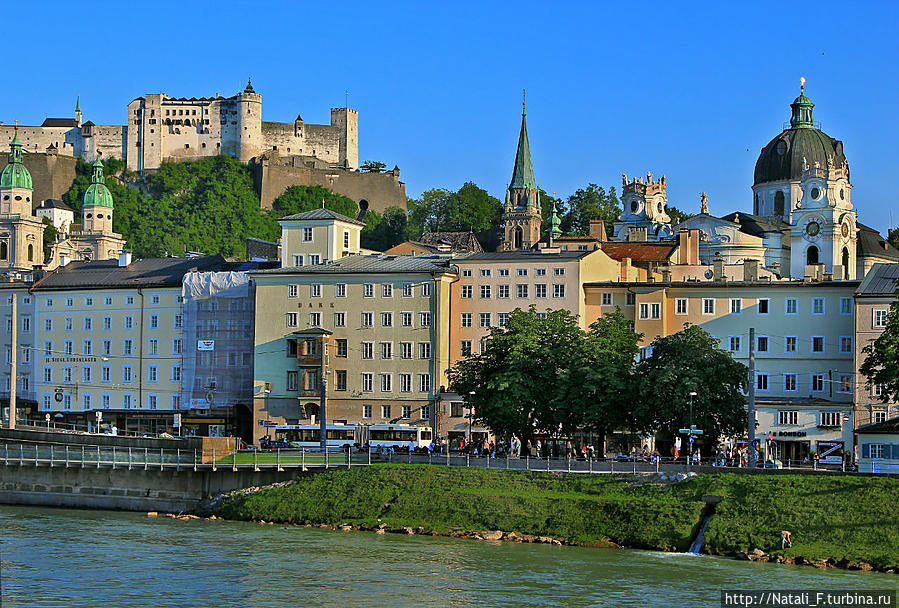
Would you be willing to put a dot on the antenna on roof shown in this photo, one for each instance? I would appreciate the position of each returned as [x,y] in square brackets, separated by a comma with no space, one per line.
[323,202]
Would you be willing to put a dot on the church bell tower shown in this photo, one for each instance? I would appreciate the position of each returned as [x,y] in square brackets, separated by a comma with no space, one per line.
[522,216]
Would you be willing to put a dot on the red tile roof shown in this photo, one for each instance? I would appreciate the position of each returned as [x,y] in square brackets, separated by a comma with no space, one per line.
[639,251]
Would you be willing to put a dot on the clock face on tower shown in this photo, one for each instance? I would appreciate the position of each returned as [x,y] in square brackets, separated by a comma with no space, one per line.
[844,230]
[812,228]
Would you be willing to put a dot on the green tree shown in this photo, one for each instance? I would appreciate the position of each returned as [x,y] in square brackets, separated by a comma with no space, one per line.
[298,199]
[50,234]
[893,237]
[522,380]
[384,231]
[441,210]
[677,216]
[685,362]
[373,166]
[881,364]
[590,203]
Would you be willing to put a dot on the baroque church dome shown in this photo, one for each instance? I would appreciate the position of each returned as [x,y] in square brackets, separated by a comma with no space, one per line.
[97,194]
[782,158]
[15,175]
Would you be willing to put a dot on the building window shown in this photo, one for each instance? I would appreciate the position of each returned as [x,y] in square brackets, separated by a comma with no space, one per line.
[708,306]
[630,299]
[845,306]
[606,298]
[831,419]
[386,319]
[502,291]
[407,290]
[845,344]
[880,318]
[655,310]
[292,380]
[558,290]
[386,290]
[307,235]
[105,375]
[386,383]
[466,291]
[367,379]
[340,380]
[818,306]
[298,260]
[176,346]
[876,450]
[48,325]
[790,344]
[540,272]
[367,350]
[424,319]
[340,290]
[368,290]
[405,383]
[154,300]
[503,319]
[367,319]
[387,350]
[68,323]
[485,292]
[424,383]
[817,344]
[406,319]
[346,239]
[426,290]
[484,319]
[366,411]
[735,344]
[763,306]
[845,385]
[104,401]
[339,319]
[127,347]
[680,306]
[340,347]
[485,272]
[466,272]
[126,401]
[88,323]
[126,374]
[521,290]
[878,416]
[154,321]
[293,291]
[292,319]
[129,322]
[790,382]
[87,348]
[405,350]
[466,319]
[761,382]
[315,290]
[540,290]
[559,272]
[791,307]
[86,374]
[817,383]
[465,348]
[385,411]
[315,319]
[153,347]
[787,417]
[424,350]
[176,374]
[153,374]
[762,344]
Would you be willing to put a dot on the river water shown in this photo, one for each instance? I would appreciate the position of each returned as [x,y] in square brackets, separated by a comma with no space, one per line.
[74,558]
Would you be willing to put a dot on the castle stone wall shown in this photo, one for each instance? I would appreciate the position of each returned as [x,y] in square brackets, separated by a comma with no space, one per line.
[51,174]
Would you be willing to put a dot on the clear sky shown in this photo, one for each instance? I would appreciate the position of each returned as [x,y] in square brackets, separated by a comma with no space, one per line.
[689,90]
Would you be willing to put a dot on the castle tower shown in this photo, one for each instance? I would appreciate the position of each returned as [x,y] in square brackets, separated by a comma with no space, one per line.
[96,209]
[15,182]
[249,123]
[644,214]
[522,217]
[78,111]
[347,121]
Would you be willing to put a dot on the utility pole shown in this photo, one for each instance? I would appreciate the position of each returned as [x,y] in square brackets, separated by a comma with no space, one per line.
[322,411]
[13,374]
[750,427]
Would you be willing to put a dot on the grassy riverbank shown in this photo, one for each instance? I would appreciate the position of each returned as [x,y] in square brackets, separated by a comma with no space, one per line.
[847,520]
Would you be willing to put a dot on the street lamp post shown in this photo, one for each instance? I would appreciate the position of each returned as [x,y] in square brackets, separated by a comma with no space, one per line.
[692,394]
[470,414]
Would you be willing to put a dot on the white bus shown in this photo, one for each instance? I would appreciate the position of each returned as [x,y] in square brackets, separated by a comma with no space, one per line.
[308,436]
[398,436]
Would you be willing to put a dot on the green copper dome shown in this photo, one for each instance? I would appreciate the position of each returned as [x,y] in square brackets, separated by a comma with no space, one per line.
[15,175]
[97,194]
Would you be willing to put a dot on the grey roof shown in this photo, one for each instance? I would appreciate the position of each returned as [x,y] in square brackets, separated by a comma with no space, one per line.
[373,264]
[458,241]
[725,284]
[321,214]
[59,122]
[754,225]
[890,427]
[527,255]
[53,203]
[107,274]
[881,280]
[872,244]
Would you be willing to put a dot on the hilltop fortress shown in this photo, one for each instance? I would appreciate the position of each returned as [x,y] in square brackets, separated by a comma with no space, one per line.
[168,129]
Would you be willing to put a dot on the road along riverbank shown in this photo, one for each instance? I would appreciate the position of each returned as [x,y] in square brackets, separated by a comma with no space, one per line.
[835,521]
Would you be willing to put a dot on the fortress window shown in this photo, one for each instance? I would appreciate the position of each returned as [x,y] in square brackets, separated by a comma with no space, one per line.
[204,144]
[99,216]
[4,251]
[18,198]
[166,112]
[30,252]
[6,198]
[195,113]
[186,146]
[88,216]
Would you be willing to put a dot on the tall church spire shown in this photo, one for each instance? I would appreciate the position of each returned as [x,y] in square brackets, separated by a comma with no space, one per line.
[523,172]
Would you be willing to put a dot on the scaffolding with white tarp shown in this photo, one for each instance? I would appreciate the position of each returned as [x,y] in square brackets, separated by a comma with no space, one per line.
[217,363]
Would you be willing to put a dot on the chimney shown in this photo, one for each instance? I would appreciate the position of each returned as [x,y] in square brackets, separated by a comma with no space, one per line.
[625,266]
[693,249]
[598,230]
[750,270]
[666,276]
[718,269]
[124,259]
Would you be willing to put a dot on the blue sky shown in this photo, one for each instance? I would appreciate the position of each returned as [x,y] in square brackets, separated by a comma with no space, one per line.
[693,91]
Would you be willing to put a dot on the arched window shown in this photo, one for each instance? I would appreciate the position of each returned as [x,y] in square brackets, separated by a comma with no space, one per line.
[311,410]
[845,262]
[30,252]
[811,255]
[4,250]
[779,203]
[519,237]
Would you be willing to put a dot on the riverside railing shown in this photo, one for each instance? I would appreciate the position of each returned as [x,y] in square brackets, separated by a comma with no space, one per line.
[175,459]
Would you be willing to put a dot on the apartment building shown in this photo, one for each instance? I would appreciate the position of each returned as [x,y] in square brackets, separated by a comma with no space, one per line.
[804,343]
[384,322]
[872,307]
[109,338]
[24,324]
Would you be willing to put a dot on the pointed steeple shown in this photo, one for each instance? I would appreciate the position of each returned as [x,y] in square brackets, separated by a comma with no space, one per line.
[78,104]
[523,172]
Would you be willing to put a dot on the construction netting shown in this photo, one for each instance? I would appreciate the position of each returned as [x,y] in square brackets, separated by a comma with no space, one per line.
[217,364]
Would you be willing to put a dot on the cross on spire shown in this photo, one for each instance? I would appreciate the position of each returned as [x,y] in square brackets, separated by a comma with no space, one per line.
[524,100]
